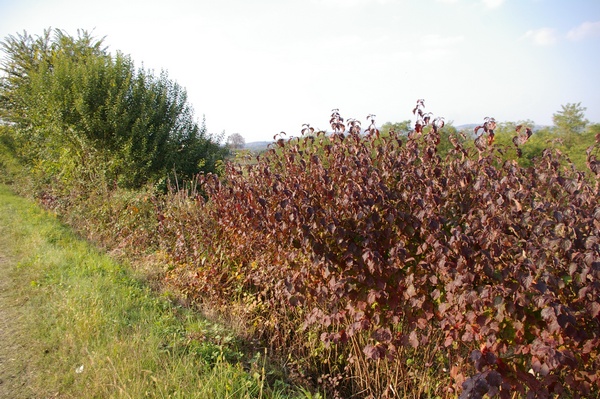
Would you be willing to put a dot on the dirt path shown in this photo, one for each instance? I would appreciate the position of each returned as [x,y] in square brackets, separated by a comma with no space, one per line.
[13,363]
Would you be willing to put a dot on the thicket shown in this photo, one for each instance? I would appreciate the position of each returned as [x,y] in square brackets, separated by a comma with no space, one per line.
[389,270]
[74,112]
[373,264]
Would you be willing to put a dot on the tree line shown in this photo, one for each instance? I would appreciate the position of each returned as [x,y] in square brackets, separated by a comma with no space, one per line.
[571,133]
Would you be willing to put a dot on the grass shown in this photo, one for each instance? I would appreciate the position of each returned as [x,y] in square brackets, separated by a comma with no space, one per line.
[89,327]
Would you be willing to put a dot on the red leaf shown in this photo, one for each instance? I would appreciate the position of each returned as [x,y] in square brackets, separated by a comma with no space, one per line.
[413,339]
[593,308]
[374,352]
[382,335]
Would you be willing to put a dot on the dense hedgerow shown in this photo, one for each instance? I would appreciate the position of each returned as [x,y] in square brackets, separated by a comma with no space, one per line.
[384,251]
[377,268]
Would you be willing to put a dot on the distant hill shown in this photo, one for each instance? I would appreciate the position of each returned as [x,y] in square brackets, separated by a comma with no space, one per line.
[470,126]
[257,146]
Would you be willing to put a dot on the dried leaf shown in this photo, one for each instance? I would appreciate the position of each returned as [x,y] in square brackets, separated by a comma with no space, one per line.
[413,339]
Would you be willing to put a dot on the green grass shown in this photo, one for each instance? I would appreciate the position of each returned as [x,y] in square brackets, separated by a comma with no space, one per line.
[89,328]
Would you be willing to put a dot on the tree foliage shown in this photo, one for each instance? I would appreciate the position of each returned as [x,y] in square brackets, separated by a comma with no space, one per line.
[571,135]
[570,119]
[236,141]
[399,127]
[77,108]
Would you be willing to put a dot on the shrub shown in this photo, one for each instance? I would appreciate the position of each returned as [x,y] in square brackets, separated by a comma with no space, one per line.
[77,110]
[377,245]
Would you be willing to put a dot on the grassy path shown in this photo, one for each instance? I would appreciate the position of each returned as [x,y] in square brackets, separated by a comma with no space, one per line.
[13,365]
[74,324]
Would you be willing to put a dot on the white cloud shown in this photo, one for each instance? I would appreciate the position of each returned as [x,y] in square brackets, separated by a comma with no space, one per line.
[492,3]
[542,36]
[447,1]
[585,30]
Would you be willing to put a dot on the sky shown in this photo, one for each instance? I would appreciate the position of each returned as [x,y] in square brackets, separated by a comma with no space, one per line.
[259,67]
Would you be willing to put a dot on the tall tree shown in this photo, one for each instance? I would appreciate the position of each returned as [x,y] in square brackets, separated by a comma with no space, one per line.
[570,121]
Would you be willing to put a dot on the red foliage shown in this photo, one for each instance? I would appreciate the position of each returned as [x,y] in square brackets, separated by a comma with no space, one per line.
[379,234]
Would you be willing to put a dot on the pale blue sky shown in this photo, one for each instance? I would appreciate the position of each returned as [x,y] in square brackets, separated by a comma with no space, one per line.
[258,67]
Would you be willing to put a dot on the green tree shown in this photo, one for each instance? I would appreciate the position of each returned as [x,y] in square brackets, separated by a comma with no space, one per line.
[573,134]
[400,127]
[445,145]
[505,132]
[569,123]
[594,129]
[236,141]
[570,119]
[77,108]
[565,137]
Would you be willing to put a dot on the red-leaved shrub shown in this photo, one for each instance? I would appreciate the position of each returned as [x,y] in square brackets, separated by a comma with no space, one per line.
[379,237]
